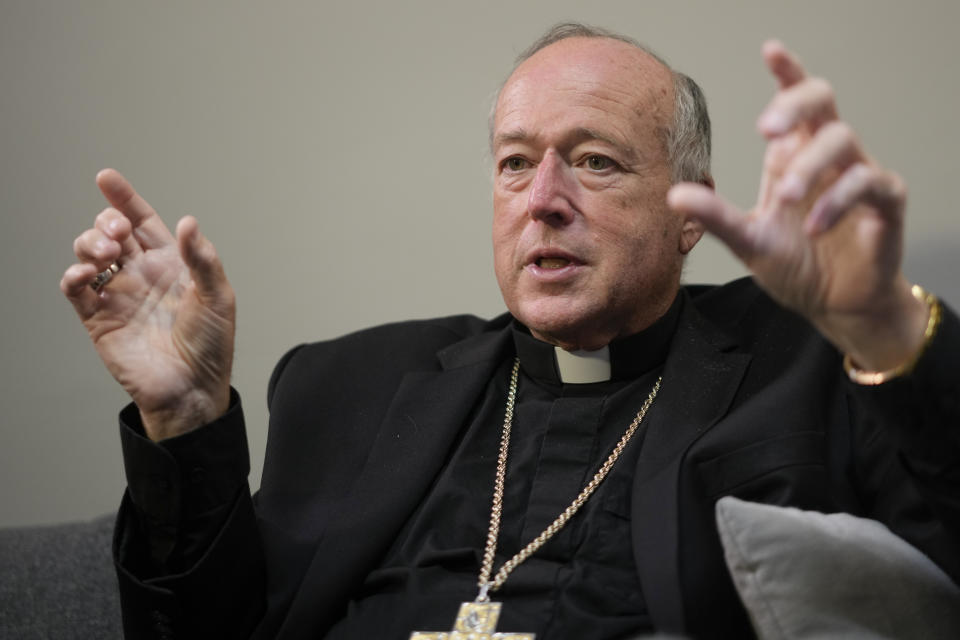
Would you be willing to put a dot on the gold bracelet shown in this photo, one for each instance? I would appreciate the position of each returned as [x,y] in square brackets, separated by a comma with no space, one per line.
[934,313]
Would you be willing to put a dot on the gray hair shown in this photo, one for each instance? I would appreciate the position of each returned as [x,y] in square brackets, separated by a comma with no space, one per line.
[688,137]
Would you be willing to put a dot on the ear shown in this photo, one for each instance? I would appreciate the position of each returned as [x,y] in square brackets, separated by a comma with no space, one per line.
[690,235]
[692,230]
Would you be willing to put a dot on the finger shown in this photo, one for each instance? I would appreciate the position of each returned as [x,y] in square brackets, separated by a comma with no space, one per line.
[201,258]
[148,228]
[719,217]
[117,227]
[784,66]
[861,183]
[780,152]
[96,248]
[75,285]
[832,150]
[809,102]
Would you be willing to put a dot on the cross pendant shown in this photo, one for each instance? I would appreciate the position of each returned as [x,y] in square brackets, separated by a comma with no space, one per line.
[475,621]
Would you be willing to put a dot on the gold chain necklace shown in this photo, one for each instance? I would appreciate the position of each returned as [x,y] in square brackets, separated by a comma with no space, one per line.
[477,620]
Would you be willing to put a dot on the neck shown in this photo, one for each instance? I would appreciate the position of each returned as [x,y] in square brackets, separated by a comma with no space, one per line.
[623,358]
[593,336]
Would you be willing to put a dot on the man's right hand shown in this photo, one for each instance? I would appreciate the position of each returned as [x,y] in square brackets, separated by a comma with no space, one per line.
[164,324]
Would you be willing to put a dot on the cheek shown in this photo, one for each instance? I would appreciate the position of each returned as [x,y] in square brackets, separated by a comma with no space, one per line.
[636,247]
[503,207]
[507,225]
[504,247]
[502,239]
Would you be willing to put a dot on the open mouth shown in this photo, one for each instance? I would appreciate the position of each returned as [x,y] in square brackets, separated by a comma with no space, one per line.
[552,263]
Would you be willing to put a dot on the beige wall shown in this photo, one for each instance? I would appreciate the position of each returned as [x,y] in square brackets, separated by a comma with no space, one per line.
[336,153]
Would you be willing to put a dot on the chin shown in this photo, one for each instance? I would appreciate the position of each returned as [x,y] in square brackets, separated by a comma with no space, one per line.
[562,323]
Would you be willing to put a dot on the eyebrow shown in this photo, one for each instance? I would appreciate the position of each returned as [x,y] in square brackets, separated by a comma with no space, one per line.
[573,137]
[516,135]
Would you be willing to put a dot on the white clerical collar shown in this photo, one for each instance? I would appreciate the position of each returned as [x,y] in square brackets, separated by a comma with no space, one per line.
[583,367]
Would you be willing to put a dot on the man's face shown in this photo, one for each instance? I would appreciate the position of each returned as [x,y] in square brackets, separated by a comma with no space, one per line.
[585,248]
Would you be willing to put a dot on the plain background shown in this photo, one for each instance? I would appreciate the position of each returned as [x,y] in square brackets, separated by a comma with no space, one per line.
[336,154]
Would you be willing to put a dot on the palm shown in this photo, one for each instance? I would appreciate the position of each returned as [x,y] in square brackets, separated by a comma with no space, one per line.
[826,235]
[839,271]
[164,324]
[152,331]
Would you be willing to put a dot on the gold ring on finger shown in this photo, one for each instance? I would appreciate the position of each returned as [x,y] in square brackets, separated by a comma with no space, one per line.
[104,276]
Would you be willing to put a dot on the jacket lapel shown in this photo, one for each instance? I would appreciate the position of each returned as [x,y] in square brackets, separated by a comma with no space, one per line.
[700,378]
[426,415]
[428,410]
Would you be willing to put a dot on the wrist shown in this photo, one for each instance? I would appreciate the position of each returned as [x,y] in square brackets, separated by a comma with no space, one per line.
[192,411]
[884,334]
[931,322]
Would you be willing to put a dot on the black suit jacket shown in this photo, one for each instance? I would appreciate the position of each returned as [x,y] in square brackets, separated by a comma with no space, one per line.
[753,403]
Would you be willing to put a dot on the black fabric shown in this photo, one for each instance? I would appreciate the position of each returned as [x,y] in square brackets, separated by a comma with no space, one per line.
[630,356]
[361,428]
[581,583]
[182,488]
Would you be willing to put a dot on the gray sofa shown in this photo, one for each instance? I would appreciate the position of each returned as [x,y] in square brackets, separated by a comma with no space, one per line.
[801,575]
[58,582]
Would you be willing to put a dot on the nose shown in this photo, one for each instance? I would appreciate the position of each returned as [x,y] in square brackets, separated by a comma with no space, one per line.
[550,194]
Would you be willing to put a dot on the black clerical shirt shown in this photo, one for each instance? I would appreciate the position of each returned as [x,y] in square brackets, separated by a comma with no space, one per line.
[583,582]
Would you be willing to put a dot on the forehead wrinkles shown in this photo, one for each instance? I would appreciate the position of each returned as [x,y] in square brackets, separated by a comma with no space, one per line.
[606,67]
[583,109]
[639,94]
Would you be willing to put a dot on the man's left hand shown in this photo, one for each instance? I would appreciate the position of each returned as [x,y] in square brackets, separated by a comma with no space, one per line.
[826,235]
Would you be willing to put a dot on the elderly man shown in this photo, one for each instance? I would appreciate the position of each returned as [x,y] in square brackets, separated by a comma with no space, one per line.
[622,405]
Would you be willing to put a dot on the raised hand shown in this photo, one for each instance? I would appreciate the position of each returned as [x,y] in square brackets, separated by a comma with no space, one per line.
[164,324]
[825,237]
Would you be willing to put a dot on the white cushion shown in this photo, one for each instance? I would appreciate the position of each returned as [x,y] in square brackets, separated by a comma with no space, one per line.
[803,574]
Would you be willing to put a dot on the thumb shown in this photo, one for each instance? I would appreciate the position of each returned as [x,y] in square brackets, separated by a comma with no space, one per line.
[200,256]
[718,216]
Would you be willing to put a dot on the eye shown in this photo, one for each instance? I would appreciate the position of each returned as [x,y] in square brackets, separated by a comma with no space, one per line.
[598,163]
[514,163]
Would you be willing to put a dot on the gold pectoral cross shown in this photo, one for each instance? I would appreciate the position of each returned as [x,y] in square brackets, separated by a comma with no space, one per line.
[475,621]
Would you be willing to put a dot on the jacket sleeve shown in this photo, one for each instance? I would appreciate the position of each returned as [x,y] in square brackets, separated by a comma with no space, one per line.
[186,546]
[916,492]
